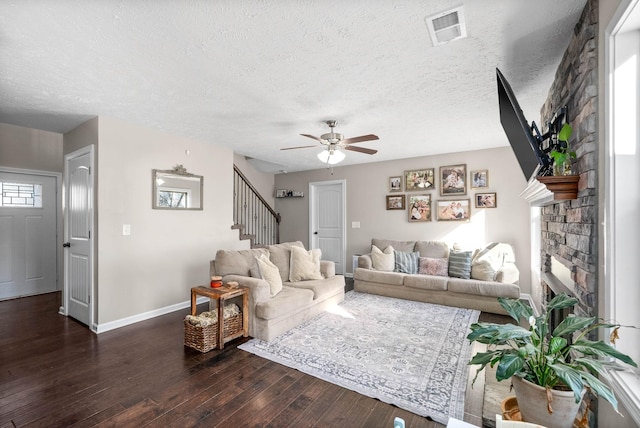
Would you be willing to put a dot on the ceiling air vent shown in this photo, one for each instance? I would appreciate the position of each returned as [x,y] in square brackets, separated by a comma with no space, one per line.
[447,26]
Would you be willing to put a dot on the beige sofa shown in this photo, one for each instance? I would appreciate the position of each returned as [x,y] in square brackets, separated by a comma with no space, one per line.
[296,303]
[495,262]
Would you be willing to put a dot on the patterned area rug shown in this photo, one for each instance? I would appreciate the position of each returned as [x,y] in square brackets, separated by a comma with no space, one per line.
[410,354]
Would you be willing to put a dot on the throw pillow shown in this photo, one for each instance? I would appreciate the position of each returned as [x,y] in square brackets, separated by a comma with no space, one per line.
[433,266]
[270,273]
[460,264]
[304,265]
[406,262]
[382,260]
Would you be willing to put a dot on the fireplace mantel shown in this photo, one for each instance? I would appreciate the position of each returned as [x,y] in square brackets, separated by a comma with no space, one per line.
[541,191]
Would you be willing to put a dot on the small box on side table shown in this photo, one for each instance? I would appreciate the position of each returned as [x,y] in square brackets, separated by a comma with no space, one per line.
[220,295]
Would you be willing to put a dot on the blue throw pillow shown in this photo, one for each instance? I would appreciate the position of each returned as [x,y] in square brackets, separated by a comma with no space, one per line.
[407,262]
[460,264]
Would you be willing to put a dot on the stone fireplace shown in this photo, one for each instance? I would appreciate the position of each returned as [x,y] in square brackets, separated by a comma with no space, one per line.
[568,239]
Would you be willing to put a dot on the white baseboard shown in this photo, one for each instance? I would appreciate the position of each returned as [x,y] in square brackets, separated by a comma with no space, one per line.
[527,297]
[101,328]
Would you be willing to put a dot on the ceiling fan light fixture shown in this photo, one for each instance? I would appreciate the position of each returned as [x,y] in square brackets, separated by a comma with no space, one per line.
[331,157]
[332,138]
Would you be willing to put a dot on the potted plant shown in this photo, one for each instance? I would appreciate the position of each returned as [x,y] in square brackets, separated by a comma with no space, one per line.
[534,357]
[562,154]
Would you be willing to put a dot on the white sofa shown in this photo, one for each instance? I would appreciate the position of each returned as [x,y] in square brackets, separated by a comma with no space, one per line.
[296,303]
[494,262]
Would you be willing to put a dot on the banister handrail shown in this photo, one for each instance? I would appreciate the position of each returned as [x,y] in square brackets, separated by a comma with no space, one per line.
[255,191]
[252,214]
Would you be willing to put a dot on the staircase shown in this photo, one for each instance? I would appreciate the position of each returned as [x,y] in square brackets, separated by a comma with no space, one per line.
[252,215]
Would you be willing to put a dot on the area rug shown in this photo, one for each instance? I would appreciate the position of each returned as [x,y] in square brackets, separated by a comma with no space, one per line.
[410,354]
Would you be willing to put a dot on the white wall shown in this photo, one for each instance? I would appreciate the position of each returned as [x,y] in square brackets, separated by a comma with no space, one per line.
[367,185]
[168,252]
[27,148]
[262,181]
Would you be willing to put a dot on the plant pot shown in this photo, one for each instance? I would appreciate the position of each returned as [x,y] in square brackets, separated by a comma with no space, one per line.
[563,168]
[532,402]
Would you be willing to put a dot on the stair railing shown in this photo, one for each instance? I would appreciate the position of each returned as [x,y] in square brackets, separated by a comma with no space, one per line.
[254,217]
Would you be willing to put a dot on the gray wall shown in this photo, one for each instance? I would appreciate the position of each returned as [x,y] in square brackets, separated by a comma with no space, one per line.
[367,186]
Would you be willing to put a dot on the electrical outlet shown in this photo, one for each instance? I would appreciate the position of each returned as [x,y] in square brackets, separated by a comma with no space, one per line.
[126,229]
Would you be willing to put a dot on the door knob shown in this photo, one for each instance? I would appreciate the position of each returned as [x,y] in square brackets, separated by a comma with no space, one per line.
[315,233]
[66,244]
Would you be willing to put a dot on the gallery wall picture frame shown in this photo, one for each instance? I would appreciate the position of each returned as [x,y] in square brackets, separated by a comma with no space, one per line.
[395,202]
[486,200]
[419,207]
[453,180]
[479,179]
[395,183]
[419,180]
[454,209]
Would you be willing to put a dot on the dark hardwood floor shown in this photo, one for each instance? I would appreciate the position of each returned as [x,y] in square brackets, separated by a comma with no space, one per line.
[55,373]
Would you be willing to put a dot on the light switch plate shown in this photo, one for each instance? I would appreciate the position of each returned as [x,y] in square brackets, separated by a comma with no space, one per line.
[355,225]
[126,229]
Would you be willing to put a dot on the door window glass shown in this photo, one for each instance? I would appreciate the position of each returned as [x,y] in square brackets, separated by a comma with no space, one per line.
[21,195]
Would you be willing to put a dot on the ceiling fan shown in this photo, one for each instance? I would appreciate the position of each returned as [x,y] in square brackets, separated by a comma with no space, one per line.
[334,141]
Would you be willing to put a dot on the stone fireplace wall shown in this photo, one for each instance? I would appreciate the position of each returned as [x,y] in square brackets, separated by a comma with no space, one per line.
[569,228]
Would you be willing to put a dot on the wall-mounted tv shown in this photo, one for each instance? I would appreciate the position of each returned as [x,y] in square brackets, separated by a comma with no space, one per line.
[525,145]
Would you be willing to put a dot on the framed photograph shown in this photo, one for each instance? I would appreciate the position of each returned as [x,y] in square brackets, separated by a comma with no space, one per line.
[419,179]
[395,202]
[454,210]
[395,184]
[453,180]
[486,200]
[419,207]
[479,179]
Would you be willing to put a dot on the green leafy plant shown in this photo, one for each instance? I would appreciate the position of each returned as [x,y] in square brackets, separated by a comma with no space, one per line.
[546,358]
[561,153]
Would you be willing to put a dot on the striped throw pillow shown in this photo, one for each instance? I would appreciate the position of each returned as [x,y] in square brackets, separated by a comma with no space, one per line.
[407,262]
[460,264]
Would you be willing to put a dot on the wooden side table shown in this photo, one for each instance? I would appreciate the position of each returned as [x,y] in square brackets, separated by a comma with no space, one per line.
[222,294]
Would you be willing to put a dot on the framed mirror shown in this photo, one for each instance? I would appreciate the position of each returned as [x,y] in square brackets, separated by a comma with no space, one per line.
[176,189]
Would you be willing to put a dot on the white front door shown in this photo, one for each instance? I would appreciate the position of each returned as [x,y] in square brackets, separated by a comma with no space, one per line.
[28,219]
[78,243]
[328,217]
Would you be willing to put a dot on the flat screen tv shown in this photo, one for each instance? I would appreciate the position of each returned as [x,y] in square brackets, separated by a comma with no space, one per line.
[525,145]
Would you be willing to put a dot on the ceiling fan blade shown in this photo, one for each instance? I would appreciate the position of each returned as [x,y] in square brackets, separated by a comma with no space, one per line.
[312,137]
[299,147]
[360,139]
[361,150]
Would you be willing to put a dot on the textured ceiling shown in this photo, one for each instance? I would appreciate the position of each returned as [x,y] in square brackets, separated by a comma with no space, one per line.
[253,75]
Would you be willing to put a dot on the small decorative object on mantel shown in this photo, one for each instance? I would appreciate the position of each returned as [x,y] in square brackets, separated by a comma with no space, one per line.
[549,373]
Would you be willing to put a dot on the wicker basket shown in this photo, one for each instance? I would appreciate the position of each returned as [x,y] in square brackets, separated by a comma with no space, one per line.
[204,339]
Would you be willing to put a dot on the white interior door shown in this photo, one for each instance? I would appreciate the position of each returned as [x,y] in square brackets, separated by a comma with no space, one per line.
[78,243]
[28,219]
[328,219]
